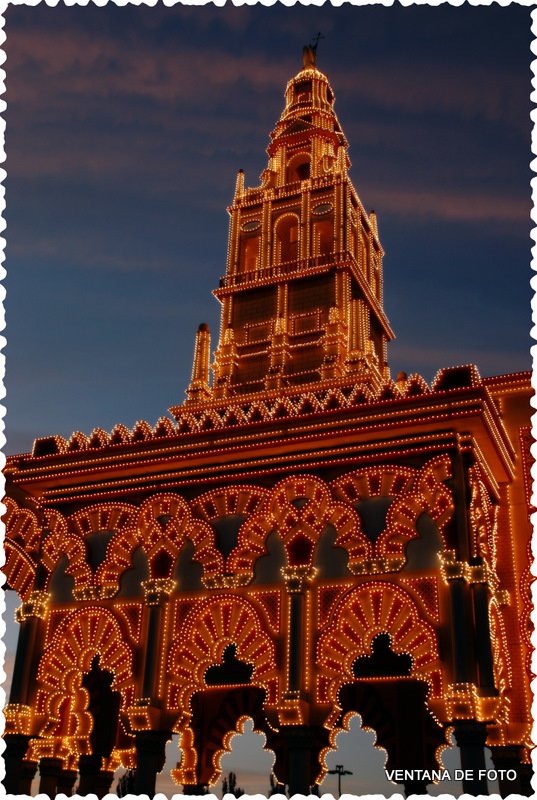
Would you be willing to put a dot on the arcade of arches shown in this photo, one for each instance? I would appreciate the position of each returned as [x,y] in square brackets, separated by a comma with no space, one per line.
[307,540]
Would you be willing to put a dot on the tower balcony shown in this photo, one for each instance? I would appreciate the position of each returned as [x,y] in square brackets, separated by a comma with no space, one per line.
[301,268]
[258,194]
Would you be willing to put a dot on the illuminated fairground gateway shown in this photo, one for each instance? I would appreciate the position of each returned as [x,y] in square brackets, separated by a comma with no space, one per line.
[309,539]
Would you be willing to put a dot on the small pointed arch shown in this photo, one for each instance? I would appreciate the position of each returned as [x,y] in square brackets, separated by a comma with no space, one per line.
[308,404]
[258,412]
[389,391]
[416,385]
[233,416]
[360,394]
[142,432]
[188,424]
[164,427]
[120,435]
[334,400]
[286,238]
[210,421]
[299,167]
[282,408]
[99,438]
[78,442]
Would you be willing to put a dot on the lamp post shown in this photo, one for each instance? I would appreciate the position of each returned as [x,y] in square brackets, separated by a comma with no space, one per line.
[339,771]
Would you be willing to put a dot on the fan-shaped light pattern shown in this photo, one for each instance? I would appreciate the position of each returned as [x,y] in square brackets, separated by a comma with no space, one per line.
[19,569]
[61,698]
[370,482]
[205,633]
[230,501]
[372,608]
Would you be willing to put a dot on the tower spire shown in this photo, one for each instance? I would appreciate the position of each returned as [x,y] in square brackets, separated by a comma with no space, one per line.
[302,295]
[199,385]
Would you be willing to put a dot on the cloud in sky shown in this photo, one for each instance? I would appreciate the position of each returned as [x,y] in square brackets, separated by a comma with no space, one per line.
[463,206]
[74,96]
[125,131]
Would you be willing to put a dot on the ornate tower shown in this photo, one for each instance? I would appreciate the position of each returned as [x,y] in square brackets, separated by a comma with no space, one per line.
[302,296]
[308,540]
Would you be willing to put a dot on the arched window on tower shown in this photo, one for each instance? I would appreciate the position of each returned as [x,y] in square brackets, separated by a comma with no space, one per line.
[298,168]
[286,239]
[303,92]
[249,253]
[323,237]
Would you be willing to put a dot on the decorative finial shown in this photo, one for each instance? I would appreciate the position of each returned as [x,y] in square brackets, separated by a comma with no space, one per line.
[309,56]
[309,52]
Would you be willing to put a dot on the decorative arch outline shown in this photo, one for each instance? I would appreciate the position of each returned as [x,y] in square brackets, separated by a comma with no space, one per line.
[61,698]
[205,633]
[299,524]
[371,608]
[162,525]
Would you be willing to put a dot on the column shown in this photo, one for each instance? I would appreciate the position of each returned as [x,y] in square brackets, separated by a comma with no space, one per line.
[460,651]
[526,774]
[509,758]
[49,771]
[485,665]
[145,715]
[471,737]
[18,713]
[88,767]
[411,735]
[296,581]
[298,743]
[157,594]
[27,774]
[103,782]
[151,755]
[16,748]
[66,781]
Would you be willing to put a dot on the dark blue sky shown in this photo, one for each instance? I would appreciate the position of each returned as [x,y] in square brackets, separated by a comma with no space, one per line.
[126,127]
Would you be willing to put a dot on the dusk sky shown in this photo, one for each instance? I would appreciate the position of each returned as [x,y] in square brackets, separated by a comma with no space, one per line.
[126,127]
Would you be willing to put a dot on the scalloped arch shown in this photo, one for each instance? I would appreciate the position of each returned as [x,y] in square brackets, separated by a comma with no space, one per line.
[163,522]
[373,607]
[207,630]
